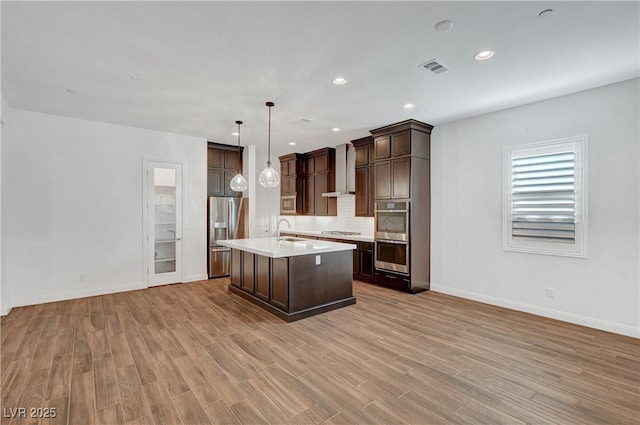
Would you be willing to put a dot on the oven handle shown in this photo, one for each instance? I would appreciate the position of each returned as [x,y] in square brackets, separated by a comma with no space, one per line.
[393,211]
[394,242]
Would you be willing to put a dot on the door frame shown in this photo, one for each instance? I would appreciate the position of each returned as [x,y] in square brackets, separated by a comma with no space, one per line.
[147,164]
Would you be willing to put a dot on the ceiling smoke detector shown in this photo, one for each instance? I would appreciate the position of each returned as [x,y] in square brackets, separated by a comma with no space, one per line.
[435,66]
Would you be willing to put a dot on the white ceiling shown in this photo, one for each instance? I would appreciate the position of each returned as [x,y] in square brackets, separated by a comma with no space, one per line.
[196,67]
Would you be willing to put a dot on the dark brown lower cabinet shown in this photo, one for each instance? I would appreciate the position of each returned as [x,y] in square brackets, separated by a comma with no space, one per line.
[392,279]
[236,268]
[263,273]
[293,288]
[248,272]
[365,263]
[280,282]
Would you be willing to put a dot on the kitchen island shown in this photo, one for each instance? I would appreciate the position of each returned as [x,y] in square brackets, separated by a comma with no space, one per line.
[292,278]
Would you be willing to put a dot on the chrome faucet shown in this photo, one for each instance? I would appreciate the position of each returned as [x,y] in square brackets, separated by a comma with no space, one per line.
[278,225]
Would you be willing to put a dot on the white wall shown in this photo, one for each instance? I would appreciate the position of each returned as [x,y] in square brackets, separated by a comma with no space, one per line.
[4,135]
[345,220]
[72,203]
[602,291]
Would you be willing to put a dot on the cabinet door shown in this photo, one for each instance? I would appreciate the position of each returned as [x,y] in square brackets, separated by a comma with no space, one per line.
[366,263]
[362,155]
[383,180]
[320,187]
[371,196]
[356,261]
[288,185]
[248,272]
[382,147]
[236,268]
[362,191]
[263,271]
[232,161]
[401,178]
[226,189]
[280,283]
[321,164]
[309,166]
[401,144]
[215,157]
[215,182]
[308,202]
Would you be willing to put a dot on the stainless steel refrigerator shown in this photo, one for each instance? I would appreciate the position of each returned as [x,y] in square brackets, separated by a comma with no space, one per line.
[227,219]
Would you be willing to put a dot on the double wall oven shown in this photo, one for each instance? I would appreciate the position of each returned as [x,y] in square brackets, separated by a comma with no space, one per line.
[392,242]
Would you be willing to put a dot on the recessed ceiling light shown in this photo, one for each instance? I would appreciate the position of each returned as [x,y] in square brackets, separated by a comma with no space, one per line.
[335,129]
[235,133]
[291,143]
[70,91]
[338,81]
[442,26]
[408,106]
[484,55]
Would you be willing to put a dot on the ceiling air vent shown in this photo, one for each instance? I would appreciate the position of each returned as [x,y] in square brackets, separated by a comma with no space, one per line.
[435,67]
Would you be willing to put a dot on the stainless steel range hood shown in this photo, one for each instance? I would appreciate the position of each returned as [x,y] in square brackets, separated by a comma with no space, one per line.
[345,172]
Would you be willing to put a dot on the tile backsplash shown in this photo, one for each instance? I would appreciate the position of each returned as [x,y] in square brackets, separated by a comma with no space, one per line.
[345,220]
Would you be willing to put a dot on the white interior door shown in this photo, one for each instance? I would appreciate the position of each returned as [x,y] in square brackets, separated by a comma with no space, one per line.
[164,222]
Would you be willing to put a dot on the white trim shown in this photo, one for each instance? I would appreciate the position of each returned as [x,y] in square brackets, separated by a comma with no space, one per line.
[579,144]
[64,296]
[146,162]
[577,319]
[195,278]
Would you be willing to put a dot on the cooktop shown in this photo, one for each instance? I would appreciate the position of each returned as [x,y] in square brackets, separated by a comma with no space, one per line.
[339,232]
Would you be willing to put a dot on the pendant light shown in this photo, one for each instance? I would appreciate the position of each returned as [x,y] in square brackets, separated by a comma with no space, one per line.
[238,182]
[269,177]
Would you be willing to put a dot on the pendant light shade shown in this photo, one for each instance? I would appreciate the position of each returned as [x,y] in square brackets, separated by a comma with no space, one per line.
[238,182]
[269,177]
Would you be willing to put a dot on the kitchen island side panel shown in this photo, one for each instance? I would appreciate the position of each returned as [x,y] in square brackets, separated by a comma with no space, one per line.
[314,284]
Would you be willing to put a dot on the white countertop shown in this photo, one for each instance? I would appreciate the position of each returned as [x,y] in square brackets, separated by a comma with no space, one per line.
[270,247]
[316,233]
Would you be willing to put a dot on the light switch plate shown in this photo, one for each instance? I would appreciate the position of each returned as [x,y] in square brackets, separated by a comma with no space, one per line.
[318,262]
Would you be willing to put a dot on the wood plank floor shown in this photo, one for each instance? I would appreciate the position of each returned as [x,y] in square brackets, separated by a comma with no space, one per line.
[196,354]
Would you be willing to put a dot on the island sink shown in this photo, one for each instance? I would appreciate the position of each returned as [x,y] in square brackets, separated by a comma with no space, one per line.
[292,278]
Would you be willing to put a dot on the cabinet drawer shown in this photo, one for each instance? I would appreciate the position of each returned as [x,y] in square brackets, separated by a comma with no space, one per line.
[391,279]
[366,246]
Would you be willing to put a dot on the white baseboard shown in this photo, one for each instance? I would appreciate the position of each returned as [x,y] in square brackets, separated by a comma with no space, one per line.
[71,295]
[541,311]
[62,296]
[196,277]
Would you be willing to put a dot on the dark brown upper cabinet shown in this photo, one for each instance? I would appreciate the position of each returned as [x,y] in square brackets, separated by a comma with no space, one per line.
[382,147]
[396,147]
[365,197]
[304,178]
[223,162]
[291,190]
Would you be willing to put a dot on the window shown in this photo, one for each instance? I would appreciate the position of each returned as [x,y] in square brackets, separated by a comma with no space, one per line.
[545,198]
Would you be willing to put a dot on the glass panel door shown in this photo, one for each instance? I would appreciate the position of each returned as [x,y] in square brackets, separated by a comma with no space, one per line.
[164,223]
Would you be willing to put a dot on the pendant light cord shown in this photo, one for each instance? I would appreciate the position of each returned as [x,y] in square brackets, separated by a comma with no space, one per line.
[270,105]
[238,122]
[269,140]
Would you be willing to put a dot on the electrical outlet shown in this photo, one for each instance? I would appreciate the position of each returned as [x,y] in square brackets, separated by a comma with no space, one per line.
[551,292]
[83,277]
[318,261]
